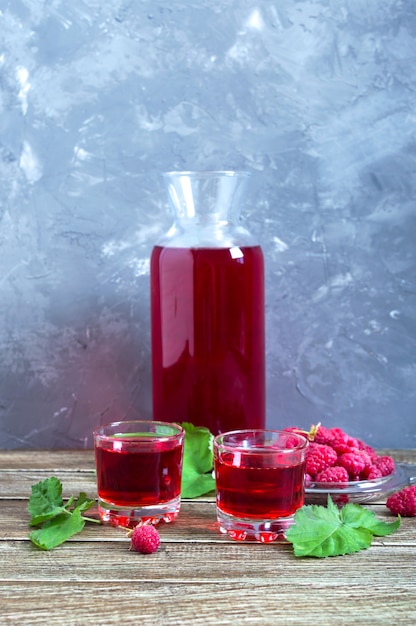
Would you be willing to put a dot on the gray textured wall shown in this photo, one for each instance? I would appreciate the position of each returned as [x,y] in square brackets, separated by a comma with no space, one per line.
[316,97]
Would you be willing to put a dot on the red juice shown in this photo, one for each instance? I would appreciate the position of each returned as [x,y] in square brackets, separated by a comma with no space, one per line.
[130,474]
[208,342]
[246,489]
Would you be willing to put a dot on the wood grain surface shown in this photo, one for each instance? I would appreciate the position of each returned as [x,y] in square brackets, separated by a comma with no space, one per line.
[197,577]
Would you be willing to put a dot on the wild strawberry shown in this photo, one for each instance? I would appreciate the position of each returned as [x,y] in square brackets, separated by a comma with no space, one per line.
[145,538]
[318,458]
[334,474]
[403,502]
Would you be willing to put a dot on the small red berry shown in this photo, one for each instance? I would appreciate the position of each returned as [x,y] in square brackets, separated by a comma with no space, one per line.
[369,449]
[370,473]
[333,447]
[333,437]
[341,448]
[145,538]
[308,479]
[333,474]
[323,435]
[354,462]
[385,464]
[403,502]
[318,458]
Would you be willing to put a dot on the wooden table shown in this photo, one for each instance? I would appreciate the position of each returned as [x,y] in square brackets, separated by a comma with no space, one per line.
[197,577]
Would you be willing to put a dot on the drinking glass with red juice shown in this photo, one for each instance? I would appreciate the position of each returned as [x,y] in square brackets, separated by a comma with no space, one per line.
[139,471]
[260,477]
[207,308]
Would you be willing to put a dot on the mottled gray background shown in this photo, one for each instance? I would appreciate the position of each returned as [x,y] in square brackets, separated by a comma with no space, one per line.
[315,97]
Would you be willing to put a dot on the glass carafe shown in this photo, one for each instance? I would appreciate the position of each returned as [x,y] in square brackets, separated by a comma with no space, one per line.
[207,308]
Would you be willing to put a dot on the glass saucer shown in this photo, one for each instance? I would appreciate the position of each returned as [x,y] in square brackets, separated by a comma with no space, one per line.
[362,491]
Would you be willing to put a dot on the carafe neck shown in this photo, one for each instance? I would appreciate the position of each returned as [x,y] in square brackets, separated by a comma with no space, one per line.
[207,207]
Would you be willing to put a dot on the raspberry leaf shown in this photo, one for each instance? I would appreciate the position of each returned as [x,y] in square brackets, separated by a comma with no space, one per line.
[320,531]
[57,530]
[195,484]
[198,459]
[57,521]
[45,501]
[358,516]
[83,503]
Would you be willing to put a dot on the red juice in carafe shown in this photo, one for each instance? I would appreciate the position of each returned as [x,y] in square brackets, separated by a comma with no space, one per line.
[249,491]
[207,316]
[130,475]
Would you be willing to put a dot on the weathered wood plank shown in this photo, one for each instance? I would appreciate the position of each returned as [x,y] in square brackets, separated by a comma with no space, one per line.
[18,484]
[263,603]
[197,577]
[196,522]
[209,562]
[47,460]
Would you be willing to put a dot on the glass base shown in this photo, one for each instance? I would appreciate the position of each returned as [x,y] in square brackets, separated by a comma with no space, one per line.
[247,529]
[129,517]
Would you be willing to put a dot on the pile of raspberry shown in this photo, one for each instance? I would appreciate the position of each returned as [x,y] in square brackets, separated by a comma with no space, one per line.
[334,456]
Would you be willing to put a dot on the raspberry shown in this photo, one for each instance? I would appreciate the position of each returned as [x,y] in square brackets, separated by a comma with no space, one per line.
[333,437]
[333,474]
[333,447]
[323,435]
[341,448]
[144,538]
[354,463]
[294,442]
[308,479]
[295,429]
[318,458]
[370,472]
[364,446]
[403,502]
[385,464]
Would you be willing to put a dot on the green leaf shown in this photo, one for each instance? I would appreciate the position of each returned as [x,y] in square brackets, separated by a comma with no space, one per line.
[57,521]
[320,531]
[359,517]
[198,459]
[194,484]
[45,501]
[57,530]
[83,503]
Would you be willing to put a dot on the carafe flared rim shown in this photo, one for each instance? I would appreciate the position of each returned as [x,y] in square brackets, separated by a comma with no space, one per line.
[206,173]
